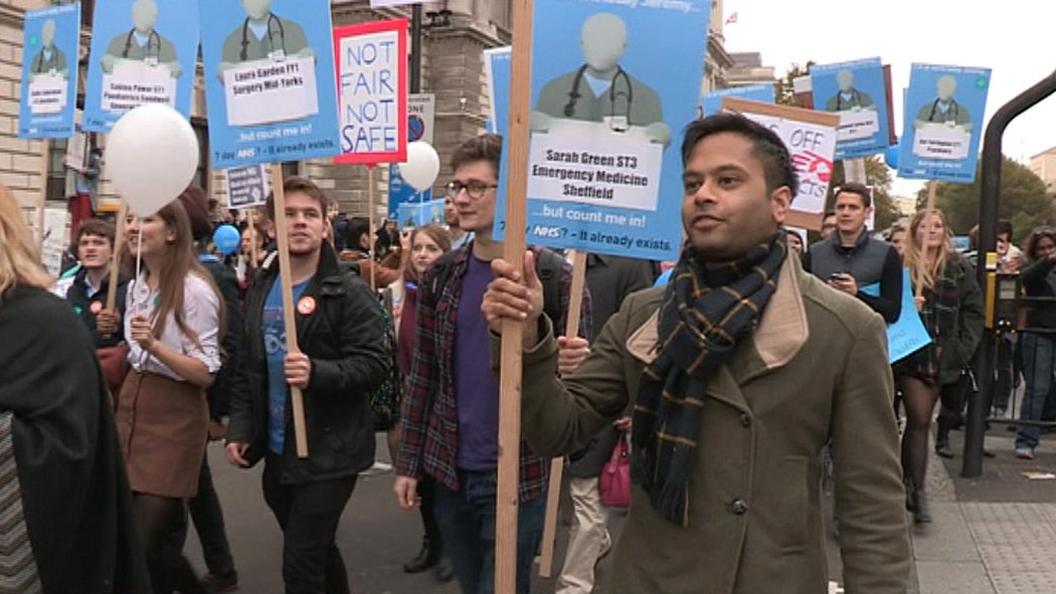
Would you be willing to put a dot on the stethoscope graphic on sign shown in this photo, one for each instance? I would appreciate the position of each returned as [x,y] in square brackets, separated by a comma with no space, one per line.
[618,123]
[950,114]
[276,54]
[854,101]
[153,45]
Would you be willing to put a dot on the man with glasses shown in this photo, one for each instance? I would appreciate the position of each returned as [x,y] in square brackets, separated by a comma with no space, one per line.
[449,418]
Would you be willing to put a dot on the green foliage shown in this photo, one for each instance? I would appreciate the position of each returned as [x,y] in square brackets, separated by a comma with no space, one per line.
[1023,201]
[785,93]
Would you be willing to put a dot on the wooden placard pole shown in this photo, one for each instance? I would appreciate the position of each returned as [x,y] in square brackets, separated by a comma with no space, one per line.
[45,157]
[932,189]
[557,465]
[115,263]
[510,374]
[370,226]
[288,313]
[252,226]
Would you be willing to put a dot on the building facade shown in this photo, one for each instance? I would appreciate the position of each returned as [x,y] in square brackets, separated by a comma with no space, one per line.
[1043,165]
[454,37]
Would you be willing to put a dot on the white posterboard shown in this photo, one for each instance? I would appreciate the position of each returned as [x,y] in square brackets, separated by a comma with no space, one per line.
[269,91]
[56,224]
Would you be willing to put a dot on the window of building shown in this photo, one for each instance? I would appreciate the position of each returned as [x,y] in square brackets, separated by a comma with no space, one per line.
[201,175]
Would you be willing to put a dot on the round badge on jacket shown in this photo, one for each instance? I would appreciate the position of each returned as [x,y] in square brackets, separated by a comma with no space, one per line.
[95,307]
[306,306]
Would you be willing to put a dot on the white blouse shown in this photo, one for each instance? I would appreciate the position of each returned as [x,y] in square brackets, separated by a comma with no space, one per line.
[201,314]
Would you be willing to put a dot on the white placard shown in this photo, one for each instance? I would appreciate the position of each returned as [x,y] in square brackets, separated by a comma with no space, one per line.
[247,186]
[56,221]
[811,147]
[941,141]
[48,94]
[135,82]
[269,91]
[856,125]
[588,163]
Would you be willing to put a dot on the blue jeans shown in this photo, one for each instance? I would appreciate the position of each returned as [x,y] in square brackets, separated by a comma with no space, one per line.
[467,523]
[1039,353]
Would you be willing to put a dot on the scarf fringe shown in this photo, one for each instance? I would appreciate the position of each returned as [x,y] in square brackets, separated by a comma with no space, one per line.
[670,501]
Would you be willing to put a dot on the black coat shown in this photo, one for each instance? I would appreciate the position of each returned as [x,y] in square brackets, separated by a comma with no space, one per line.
[77,297]
[75,496]
[344,337]
[219,394]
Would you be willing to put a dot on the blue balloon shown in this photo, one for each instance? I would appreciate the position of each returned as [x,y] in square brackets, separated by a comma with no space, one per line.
[891,156]
[227,239]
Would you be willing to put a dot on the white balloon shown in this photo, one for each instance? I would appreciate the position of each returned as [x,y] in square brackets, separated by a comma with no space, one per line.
[422,166]
[151,155]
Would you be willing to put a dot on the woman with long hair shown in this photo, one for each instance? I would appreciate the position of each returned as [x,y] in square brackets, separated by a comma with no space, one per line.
[951,308]
[65,491]
[426,245]
[1038,342]
[173,320]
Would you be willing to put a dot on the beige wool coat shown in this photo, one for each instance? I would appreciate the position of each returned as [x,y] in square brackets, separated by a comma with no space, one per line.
[815,370]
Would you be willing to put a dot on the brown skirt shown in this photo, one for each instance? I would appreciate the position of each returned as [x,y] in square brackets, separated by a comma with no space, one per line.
[163,426]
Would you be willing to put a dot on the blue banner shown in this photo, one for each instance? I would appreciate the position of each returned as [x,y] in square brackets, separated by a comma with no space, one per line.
[420,214]
[908,335]
[711,103]
[270,82]
[401,192]
[497,69]
[51,44]
[856,91]
[143,51]
[943,123]
[608,105]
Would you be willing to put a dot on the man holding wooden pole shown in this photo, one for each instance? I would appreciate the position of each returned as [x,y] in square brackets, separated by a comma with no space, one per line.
[735,391]
[342,358]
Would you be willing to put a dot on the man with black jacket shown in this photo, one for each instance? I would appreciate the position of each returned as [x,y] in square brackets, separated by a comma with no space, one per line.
[851,260]
[340,334]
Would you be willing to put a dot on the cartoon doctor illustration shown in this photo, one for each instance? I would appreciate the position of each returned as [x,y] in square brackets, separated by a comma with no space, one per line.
[142,43]
[601,90]
[263,35]
[945,109]
[50,60]
[848,98]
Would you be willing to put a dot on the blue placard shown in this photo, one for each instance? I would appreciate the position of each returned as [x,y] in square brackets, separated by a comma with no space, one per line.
[908,334]
[49,72]
[711,103]
[497,69]
[943,123]
[420,214]
[401,192]
[857,91]
[604,170]
[270,83]
[143,51]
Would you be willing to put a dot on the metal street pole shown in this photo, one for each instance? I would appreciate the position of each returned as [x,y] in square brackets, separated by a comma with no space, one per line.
[416,49]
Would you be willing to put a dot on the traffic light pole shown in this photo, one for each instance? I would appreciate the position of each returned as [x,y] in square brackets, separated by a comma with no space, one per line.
[416,49]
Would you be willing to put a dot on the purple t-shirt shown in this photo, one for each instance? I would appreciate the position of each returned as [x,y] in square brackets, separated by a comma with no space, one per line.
[476,386]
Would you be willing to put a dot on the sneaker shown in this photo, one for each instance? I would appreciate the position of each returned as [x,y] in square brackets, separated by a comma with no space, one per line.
[1025,453]
[220,583]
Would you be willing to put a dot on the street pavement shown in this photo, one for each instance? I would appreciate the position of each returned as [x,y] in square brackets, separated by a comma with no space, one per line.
[991,535]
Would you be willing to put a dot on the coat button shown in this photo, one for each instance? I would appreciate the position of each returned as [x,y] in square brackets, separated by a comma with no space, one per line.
[739,507]
[746,420]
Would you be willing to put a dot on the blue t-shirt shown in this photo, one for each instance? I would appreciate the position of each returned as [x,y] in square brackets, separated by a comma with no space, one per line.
[476,387]
[274,332]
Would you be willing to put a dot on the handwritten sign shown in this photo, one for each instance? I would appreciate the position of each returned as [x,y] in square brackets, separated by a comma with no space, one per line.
[908,335]
[372,90]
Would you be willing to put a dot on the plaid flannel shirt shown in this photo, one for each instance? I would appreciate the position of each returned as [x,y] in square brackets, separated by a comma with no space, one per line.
[429,414]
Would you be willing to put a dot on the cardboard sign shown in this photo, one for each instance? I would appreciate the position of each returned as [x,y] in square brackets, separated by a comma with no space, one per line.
[51,40]
[269,81]
[143,51]
[605,169]
[247,186]
[811,140]
[943,125]
[711,103]
[857,92]
[372,90]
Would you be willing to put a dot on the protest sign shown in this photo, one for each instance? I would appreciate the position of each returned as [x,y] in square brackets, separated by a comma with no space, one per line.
[143,52]
[419,214]
[391,3]
[604,169]
[711,103]
[908,335]
[943,122]
[56,238]
[247,186]
[401,192]
[270,81]
[372,90]
[421,117]
[811,140]
[497,72]
[51,44]
[857,92]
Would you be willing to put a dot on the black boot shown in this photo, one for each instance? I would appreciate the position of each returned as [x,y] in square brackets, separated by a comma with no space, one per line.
[922,515]
[428,557]
[942,438]
[443,572]
[911,495]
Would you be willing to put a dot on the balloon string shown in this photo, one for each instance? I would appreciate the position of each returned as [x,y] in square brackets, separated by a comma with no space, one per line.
[143,356]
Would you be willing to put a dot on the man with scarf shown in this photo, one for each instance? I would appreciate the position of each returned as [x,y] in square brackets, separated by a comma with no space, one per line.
[740,371]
